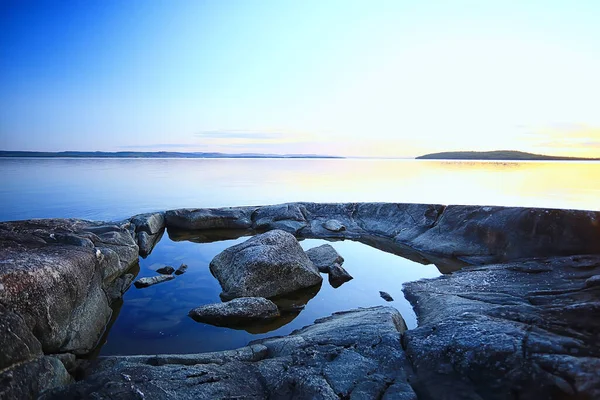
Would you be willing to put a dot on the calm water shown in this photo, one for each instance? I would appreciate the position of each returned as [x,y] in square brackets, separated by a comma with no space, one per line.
[108,189]
[154,320]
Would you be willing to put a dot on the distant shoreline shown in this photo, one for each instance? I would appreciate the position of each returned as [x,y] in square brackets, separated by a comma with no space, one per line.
[499,155]
[149,154]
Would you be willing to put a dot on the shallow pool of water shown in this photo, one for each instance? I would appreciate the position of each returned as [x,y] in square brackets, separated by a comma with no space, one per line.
[155,319]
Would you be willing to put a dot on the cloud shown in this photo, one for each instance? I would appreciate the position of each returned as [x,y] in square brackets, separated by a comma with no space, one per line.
[162,146]
[235,134]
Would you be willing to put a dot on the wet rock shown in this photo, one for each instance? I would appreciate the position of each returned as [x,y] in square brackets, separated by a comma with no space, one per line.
[146,241]
[145,282]
[28,379]
[287,217]
[354,354]
[525,329]
[236,312]
[338,276]
[324,257]
[166,270]
[265,265]
[151,223]
[334,225]
[181,270]
[386,296]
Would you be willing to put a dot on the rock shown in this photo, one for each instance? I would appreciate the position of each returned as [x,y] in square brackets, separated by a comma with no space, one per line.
[526,329]
[334,225]
[265,265]
[27,380]
[286,217]
[210,218]
[181,270]
[145,282]
[324,257]
[151,223]
[166,270]
[386,296]
[338,276]
[57,285]
[353,354]
[236,312]
[146,242]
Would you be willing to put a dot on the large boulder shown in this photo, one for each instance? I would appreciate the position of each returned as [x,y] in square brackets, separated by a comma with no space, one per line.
[324,257]
[236,312]
[265,265]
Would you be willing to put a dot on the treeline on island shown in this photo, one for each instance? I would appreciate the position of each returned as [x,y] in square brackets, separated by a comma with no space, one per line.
[508,155]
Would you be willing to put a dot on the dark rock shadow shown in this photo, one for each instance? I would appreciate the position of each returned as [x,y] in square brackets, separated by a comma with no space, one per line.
[207,235]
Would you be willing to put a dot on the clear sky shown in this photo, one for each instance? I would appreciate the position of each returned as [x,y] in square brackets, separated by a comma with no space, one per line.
[355,78]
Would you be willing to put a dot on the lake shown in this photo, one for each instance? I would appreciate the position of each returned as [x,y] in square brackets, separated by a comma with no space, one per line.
[154,319]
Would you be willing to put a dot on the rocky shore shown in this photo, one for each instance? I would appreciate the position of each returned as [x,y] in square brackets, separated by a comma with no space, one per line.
[518,320]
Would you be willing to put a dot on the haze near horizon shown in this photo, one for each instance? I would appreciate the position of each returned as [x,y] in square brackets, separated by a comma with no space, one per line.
[344,78]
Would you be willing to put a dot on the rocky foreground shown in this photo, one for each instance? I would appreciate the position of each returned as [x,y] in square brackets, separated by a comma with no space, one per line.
[519,320]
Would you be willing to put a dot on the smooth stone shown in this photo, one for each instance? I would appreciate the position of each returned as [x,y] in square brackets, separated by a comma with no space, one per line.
[166,270]
[181,270]
[236,311]
[324,257]
[386,296]
[151,223]
[334,225]
[338,276]
[145,282]
[265,265]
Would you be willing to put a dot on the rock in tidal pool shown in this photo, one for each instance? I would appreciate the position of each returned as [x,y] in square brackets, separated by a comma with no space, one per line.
[324,257]
[334,225]
[145,282]
[166,270]
[386,296]
[236,312]
[181,270]
[265,265]
[338,276]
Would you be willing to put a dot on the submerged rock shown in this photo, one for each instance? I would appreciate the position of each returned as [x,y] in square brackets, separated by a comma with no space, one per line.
[354,354]
[236,312]
[386,296]
[166,270]
[338,276]
[265,265]
[145,282]
[181,270]
[324,257]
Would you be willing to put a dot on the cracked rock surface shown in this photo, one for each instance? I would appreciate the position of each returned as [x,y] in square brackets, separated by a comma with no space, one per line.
[354,354]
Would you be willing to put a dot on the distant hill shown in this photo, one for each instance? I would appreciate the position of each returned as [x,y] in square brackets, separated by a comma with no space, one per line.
[508,155]
[149,154]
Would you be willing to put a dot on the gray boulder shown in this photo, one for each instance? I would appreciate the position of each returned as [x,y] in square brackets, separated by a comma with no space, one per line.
[150,223]
[324,257]
[386,296]
[181,270]
[334,225]
[265,265]
[166,270]
[145,282]
[209,218]
[236,312]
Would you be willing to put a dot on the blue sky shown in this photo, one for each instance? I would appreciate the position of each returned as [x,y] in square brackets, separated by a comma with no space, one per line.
[363,78]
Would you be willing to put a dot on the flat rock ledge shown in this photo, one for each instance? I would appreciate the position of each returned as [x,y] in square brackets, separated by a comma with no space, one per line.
[236,312]
[355,354]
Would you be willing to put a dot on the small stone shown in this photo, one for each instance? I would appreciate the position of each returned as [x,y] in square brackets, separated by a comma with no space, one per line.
[334,225]
[324,257]
[181,270]
[236,311]
[338,276]
[145,282]
[166,270]
[386,296]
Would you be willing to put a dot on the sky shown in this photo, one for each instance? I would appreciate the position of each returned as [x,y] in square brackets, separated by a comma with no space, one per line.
[350,78]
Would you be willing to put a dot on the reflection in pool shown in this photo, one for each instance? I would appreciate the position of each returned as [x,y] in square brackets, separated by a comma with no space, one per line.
[155,319]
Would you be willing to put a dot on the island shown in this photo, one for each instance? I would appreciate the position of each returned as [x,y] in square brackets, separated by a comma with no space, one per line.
[148,154]
[506,155]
